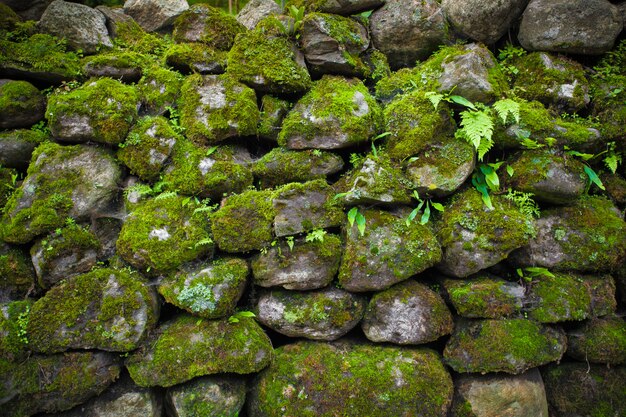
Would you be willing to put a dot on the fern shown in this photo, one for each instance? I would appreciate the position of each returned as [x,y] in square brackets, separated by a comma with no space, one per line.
[477,129]
[524,202]
[166,194]
[507,107]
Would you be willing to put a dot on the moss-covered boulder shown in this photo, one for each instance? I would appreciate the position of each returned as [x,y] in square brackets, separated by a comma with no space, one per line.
[389,251]
[585,390]
[332,44]
[21,104]
[409,313]
[396,83]
[508,345]
[17,146]
[375,180]
[475,237]
[244,222]
[556,298]
[337,113]
[105,309]
[212,172]
[273,111]
[158,89]
[305,207]
[268,61]
[17,274]
[148,146]
[101,111]
[343,378]
[210,290]
[325,314]
[550,177]
[209,25]
[441,167]
[414,124]
[340,7]
[485,296]
[256,10]
[124,66]
[187,347]
[220,395]
[608,94]
[601,340]
[589,236]
[40,57]
[195,58]
[76,181]
[56,382]
[64,253]
[216,107]
[163,233]
[282,166]
[13,336]
[602,290]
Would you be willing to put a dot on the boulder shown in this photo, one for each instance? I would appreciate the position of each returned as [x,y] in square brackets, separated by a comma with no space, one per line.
[84,28]
[345,378]
[485,296]
[208,25]
[155,15]
[158,90]
[195,57]
[219,395]
[325,314]
[256,10]
[388,252]
[21,104]
[17,146]
[557,298]
[124,66]
[601,340]
[570,26]
[509,345]
[115,19]
[407,31]
[186,347]
[602,291]
[407,313]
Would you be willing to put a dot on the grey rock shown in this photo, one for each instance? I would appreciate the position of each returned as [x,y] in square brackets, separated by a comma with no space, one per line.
[196,57]
[83,27]
[256,10]
[558,298]
[602,290]
[211,396]
[485,296]
[407,31]
[308,266]
[29,9]
[115,66]
[158,89]
[114,18]
[107,229]
[500,395]
[208,25]
[483,20]
[17,276]
[600,340]
[325,314]
[304,207]
[23,104]
[153,15]
[389,252]
[407,313]
[17,146]
[332,44]
[570,26]
[348,7]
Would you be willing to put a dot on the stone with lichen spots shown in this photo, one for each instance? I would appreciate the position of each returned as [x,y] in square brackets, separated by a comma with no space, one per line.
[485,296]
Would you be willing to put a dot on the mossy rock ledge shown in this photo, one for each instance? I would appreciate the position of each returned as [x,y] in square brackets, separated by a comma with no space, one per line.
[21,104]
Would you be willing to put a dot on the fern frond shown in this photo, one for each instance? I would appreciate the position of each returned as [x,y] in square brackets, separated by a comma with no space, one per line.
[477,129]
[167,194]
[507,107]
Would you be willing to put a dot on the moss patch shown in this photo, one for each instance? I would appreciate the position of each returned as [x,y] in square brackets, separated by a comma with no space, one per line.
[485,297]
[14,318]
[599,341]
[209,25]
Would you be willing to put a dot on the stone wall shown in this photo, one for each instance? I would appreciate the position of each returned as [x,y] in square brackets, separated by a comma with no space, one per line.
[355,208]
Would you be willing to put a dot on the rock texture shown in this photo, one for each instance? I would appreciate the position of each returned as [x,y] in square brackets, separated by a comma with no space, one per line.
[154,15]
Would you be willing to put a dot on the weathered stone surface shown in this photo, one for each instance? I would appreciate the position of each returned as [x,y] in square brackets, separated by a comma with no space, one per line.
[55,383]
[187,347]
[107,230]
[17,274]
[509,345]
[154,15]
[481,20]
[305,207]
[106,309]
[345,7]
[114,18]
[570,26]
[344,378]
[601,340]
[190,58]
[325,314]
[76,181]
[475,237]
[557,298]
[580,389]
[17,146]
[332,44]
[83,27]
[21,104]
[216,107]
[207,396]
[158,89]
[308,266]
[407,313]
[337,113]
[256,10]
[589,236]
[500,396]
[602,290]
[406,31]
[388,252]
[207,289]
[209,25]
[485,296]
[273,111]
[123,66]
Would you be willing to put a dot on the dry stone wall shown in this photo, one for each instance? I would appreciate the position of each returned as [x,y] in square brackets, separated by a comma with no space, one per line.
[339,208]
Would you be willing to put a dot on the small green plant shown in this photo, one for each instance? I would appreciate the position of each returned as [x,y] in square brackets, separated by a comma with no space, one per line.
[235,318]
[290,242]
[133,139]
[297,13]
[175,120]
[315,235]
[165,195]
[524,202]
[531,272]
[42,127]
[591,174]
[508,53]
[317,152]
[355,216]
[374,150]
[22,324]
[426,204]
[204,242]
[485,179]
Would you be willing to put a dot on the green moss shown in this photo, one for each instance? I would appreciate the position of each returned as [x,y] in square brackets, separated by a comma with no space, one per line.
[159,88]
[16,270]
[209,25]
[119,60]
[273,111]
[377,62]
[226,108]
[7,184]
[110,106]
[244,222]
[163,233]
[8,18]
[267,62]
[484,297]
[558,298]
[14,318]
[195,57]
[599,341]
[17,97]
[397,83]
[130,36]
[187,347]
